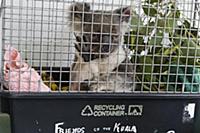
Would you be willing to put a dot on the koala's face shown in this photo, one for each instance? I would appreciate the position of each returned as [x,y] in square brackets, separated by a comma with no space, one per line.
[99,26]
[100,31]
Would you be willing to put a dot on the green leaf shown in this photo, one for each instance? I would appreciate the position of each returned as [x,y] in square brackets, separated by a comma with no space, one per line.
[156,39]
[190,50]
[171,24]
[178,14]
[170,51]
[145,63]
[132,39]
[187,24]
[136,22]
[161,22]
[140,44]
[150,11]
[153,1]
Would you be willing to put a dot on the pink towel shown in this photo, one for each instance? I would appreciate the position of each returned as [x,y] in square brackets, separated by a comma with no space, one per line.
[18,75]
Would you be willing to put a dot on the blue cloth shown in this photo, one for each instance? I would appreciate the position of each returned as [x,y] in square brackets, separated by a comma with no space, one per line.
[183,78]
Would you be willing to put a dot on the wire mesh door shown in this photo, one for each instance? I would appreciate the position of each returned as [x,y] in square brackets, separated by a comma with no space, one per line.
[118,53]
[101,46]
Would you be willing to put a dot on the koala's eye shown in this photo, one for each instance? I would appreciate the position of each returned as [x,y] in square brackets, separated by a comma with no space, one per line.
[78,38]
[95,38]
[86,37]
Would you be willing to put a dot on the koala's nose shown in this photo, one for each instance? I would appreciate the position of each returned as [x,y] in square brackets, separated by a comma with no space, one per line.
[87,6]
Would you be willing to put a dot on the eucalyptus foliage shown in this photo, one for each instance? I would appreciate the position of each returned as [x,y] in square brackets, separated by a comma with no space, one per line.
[164,46]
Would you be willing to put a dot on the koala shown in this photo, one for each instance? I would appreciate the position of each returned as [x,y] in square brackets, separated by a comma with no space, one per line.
[101,60]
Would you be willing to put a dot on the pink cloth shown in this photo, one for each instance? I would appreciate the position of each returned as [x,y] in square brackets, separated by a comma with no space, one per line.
[18,75]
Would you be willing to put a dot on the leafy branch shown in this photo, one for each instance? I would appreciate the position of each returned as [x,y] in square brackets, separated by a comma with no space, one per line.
[171,45]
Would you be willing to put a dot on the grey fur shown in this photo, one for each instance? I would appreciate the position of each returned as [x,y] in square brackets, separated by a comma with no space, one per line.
[104,42]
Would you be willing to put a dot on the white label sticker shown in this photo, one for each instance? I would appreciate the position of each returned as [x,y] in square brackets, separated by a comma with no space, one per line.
[171,131]
[188,112]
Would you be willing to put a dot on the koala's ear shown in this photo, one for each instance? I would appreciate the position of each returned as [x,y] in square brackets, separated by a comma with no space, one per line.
[78,8]
[78,12]
[124,13]
[78,43]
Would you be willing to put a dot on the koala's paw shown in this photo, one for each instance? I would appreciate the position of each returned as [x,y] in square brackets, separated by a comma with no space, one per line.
[101,87]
